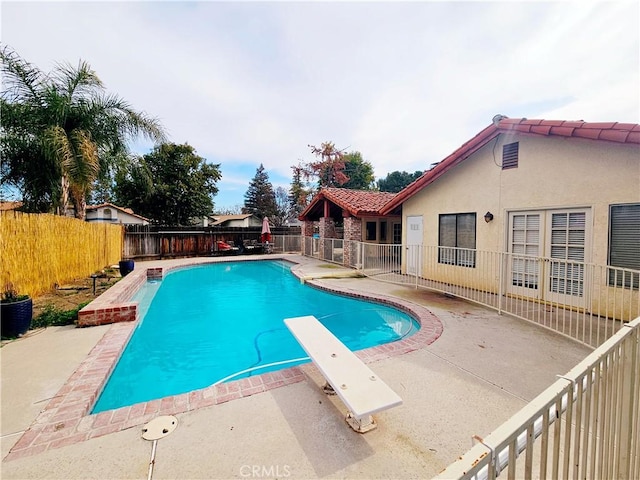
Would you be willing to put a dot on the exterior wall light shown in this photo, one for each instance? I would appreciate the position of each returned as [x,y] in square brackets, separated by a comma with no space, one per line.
[488,217]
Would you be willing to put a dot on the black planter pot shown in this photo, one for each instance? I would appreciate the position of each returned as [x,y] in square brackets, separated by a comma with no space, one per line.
[16,317]
[126,267]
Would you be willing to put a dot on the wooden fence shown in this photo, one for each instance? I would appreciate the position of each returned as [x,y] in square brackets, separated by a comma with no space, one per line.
[38,251]
[151,242]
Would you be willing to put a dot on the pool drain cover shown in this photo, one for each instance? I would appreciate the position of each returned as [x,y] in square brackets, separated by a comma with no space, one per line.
[159,427]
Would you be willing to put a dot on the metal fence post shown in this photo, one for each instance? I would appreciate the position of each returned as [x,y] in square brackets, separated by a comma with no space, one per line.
[501,257]
[629,381]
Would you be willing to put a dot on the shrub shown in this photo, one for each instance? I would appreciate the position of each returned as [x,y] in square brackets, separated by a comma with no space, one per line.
[53,316]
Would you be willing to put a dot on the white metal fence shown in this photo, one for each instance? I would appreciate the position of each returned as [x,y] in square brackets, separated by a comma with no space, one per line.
[586,425]
[584,301]
[286,243]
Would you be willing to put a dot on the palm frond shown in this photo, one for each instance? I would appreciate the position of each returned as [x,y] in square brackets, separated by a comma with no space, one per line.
[22,81]
[76,82]
[56,145]
[83,167]
[129,122]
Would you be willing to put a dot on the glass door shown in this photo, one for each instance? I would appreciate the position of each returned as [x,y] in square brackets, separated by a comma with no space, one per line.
[566,244]
[524,246]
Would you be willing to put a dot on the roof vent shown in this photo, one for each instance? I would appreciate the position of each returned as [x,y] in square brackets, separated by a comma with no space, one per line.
[496,119]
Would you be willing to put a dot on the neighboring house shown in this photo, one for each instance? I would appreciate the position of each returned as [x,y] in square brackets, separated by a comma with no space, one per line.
[8,206]
[568,191]
[110,213]
[243,220]
[292,222]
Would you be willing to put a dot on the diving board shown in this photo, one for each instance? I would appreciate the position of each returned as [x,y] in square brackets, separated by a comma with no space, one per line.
[361,390]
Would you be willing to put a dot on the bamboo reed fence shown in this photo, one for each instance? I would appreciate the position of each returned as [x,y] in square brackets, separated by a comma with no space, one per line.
[38,251]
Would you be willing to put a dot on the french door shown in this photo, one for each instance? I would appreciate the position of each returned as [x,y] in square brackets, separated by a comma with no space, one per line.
[548,250]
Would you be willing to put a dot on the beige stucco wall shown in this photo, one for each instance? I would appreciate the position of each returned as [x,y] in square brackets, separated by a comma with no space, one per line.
[552,173]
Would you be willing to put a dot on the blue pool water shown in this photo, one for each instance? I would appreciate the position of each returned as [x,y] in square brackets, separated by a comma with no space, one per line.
[209,322]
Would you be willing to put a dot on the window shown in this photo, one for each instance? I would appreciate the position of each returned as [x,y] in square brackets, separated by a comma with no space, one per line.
[510,156]
[568,235]
[397,233]
[383,232]
[624,244]
[370,230]
[525,245]
[107,213]
[457,239]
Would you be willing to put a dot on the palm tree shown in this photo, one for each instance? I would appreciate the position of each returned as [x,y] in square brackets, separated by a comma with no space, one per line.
[61,131]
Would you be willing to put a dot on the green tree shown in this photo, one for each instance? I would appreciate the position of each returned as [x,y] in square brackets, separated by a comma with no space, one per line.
[60,132]
[396,181]
[299,193]
[283,207]
[172,185]
[359,171]
[260,198]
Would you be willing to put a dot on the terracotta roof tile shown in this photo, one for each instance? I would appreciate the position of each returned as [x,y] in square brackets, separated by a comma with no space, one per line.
[601,125]
[627,126]
[573,124]
[541,129]
[522,128]
[634,137]
[358,202]
[561,131]
[614,135]
[531,122]
[593,134]
[553,123]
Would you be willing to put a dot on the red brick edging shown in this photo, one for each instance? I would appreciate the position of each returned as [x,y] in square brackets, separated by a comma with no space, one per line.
[66,419]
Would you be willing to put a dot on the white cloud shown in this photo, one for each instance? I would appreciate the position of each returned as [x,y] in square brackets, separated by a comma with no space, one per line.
[403,83]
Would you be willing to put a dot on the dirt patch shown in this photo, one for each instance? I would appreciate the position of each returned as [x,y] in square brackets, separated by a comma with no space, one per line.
[428,297]
[72,294]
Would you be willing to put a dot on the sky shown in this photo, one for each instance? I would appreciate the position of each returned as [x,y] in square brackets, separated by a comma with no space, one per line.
[403,83]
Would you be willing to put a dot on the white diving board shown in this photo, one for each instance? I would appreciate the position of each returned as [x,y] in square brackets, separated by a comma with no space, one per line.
[361,390]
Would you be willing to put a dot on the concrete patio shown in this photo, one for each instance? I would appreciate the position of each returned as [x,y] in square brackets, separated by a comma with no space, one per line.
[482,369]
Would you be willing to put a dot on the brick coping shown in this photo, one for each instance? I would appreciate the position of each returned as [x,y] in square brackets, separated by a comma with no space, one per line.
[66,419]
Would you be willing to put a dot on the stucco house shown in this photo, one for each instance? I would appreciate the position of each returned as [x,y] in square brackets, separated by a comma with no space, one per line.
[110,213]
[564,191]
[242,220]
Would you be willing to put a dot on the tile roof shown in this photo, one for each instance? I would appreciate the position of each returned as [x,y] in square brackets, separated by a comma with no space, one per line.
[627,133]
[606,131]
[356,202]
[5,206]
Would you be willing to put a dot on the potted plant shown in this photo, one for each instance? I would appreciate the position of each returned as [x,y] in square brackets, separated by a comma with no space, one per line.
[16,312]
[126,266]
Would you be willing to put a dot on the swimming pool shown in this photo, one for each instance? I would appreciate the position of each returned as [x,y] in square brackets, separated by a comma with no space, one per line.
[223,321]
